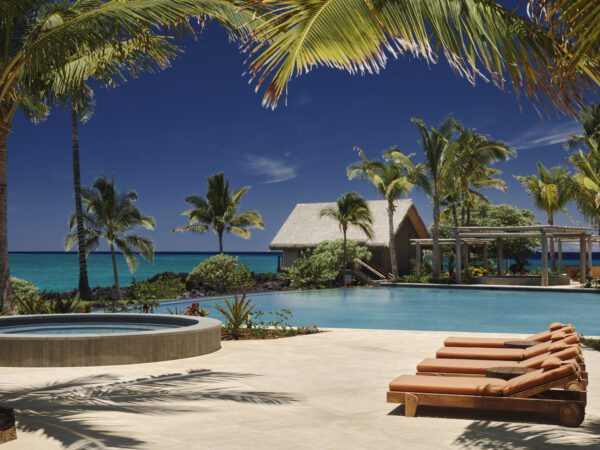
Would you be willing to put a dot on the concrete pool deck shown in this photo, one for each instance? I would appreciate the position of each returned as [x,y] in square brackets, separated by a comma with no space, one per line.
[316,391]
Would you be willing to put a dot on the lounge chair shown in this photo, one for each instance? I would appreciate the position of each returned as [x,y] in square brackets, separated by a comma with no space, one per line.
[507,354]
[478,368]
[529,392]
[544,336]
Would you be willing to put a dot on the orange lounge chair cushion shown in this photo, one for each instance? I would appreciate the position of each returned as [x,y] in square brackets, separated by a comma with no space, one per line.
[551,363]
[555,326]
[540,337]
[448,385]
[470,366]
[506,354]
[536,378]
[455,341]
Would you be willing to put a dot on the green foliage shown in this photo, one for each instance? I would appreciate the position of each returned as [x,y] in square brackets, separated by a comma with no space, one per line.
[236,313]
[34,304]
[223,273]
[483,214]
[317,268]
[63,306]
[24,290]
[258,323]
[161,289]
[266,276]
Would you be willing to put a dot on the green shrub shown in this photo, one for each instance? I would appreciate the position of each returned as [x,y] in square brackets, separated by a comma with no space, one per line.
[320,267]
[152,291]
[63,306]
[223,273]
[312,271]
[24,290]
[592,343]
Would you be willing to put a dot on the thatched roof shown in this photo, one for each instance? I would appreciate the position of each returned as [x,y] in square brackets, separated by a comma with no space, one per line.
[304,228]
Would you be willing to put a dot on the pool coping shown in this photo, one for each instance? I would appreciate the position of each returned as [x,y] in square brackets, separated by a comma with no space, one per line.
[492,287]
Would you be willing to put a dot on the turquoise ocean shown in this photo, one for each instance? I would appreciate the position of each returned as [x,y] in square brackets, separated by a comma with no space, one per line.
[59,271]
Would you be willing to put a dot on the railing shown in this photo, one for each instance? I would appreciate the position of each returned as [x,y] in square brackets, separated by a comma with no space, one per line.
[371,269]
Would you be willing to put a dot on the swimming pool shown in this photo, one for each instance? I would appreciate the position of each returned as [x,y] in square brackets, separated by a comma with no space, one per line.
[441,309]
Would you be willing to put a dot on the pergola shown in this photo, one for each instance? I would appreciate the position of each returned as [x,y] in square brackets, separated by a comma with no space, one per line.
[560,234]
[428,243]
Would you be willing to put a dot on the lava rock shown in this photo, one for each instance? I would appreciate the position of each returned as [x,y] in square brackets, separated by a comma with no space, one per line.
[311,329]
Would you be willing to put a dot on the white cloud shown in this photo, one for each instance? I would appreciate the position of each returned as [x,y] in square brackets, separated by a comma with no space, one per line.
[274,170]
[546,135]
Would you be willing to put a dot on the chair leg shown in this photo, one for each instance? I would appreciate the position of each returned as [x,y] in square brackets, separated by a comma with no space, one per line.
[410,405]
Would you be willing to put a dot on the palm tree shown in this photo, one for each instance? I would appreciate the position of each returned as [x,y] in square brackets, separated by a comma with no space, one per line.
[480,39]
[40,38]
[350,210]
[441,172]
[81,111]
[219,210]
[393,178]
[113,216]
[586,181]
[550,190]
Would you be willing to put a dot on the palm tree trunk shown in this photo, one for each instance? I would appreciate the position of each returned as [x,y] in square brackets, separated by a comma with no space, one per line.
[437,257]
[221,242]
[84,287]
[552,257]
[114,262]
[393,258]
[344,260]
[8,300]
[454,214]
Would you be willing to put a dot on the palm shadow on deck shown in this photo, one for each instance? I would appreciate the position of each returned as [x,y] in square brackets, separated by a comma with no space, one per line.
[508,430]
[57,408]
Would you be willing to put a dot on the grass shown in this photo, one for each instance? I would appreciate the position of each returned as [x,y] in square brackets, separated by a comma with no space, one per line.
[592,343]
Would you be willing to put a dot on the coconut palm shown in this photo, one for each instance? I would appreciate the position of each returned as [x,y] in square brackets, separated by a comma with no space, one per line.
[550,190]
[441,172]
[40,38]
[113,216]
[475,152]
[590,121]
[479,38]
[393,178]
[350,210]
[219,210]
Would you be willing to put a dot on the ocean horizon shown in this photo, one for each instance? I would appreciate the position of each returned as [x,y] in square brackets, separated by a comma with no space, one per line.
[59,271]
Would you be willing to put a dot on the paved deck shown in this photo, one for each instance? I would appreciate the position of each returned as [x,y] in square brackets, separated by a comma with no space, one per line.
[317,391]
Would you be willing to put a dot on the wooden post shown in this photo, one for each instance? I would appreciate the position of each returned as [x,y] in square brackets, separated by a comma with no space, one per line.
[485,256]
[582,268]
[544,281]
[418,260]
[499,247]
[458,260]
[466,256]
[589,263]
[560,254]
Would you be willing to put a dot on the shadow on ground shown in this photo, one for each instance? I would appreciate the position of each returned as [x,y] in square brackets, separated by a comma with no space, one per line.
[57,408]
[501,430]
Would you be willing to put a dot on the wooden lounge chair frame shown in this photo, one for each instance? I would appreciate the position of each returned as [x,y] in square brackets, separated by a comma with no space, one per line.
[569,405]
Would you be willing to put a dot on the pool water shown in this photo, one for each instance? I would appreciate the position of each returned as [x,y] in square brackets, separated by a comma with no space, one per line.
[441,309]
[84,328]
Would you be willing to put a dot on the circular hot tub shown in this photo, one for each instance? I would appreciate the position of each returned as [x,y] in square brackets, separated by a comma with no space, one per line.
[67,340]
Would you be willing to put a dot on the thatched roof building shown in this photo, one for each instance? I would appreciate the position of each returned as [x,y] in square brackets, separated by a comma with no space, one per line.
[304,229]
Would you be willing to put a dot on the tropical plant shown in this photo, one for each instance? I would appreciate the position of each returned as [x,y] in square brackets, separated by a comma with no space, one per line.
[222,273]
[393,178]
[219,210]
[195,310]
[354,251]
[550,191]
[63,306]
[586,180]
[236,313]
[549,58]
[34,304]
[440,174]
[113,216]
[350,210]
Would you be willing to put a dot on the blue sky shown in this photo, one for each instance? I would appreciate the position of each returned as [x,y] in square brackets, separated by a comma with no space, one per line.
[162,134]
